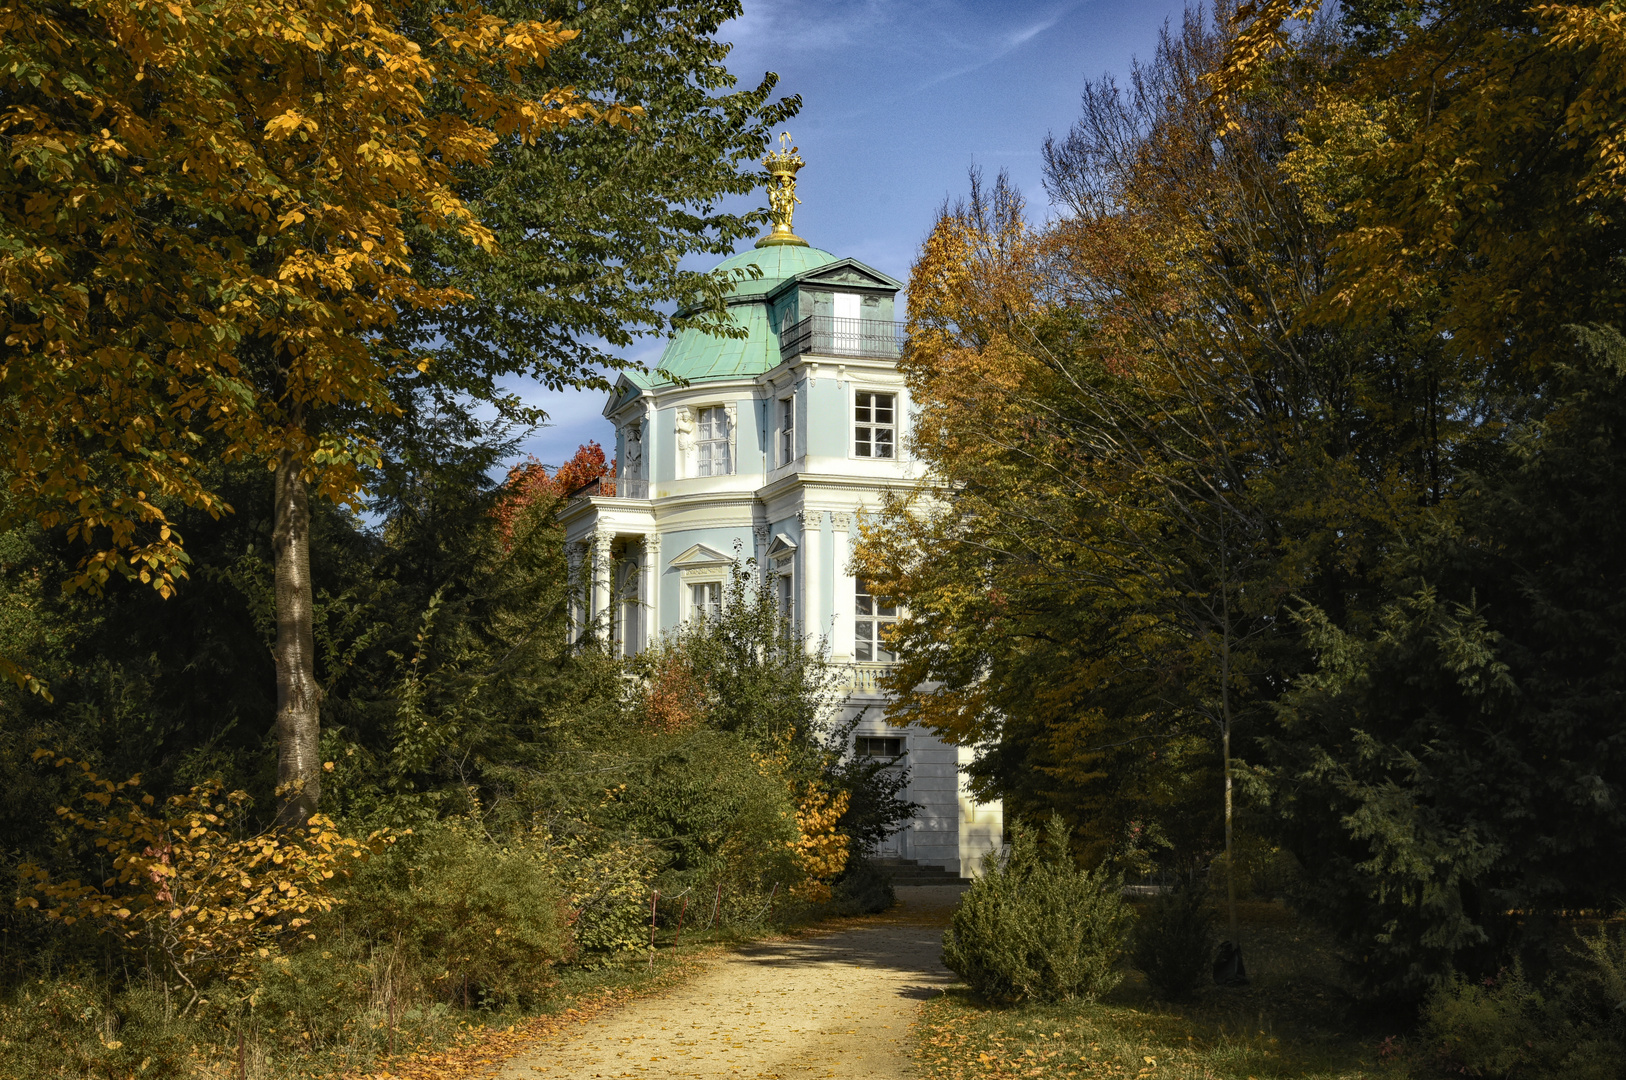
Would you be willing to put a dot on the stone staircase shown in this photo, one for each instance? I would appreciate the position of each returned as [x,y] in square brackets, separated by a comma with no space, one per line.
[905,872]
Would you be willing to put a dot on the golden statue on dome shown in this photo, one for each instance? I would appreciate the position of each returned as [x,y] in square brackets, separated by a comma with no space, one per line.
[782,168]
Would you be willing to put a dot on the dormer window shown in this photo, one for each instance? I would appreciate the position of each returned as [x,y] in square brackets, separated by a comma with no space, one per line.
[875,425]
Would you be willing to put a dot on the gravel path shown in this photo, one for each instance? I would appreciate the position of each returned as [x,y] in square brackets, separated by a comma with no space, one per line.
[834,1003]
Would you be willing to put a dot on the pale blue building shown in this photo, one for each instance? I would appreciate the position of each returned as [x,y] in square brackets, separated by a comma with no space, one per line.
[770,445]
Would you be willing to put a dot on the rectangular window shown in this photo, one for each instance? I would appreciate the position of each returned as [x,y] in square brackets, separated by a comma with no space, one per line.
[705,599]
[711,444]
[785,597]
[787,430]
[627,587]
[871,746]
[872,628]
[875,424]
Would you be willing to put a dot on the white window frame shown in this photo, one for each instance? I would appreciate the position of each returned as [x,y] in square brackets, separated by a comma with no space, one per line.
[629,613]
[860,750]
[691,610]
[871,426]
[785,434]
[784,587]
[876,621]
[715,415]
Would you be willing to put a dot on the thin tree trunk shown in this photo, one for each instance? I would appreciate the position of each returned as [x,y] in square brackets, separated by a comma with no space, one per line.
[1225,734]
[299,770]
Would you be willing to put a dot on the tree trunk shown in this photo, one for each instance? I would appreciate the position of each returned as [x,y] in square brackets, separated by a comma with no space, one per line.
[1225,734]
[299,770]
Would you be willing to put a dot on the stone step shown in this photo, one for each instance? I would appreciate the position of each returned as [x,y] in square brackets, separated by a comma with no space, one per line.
[905,872]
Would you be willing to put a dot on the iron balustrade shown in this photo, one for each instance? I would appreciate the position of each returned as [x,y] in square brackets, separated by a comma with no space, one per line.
[610,487]
[830,336]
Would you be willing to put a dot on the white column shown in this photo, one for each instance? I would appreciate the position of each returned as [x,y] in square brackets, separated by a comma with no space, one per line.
[600,569]
[649,589]
[651,454]
[812,574]
[841,631]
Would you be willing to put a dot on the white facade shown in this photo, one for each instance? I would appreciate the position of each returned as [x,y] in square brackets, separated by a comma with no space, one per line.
[771,445]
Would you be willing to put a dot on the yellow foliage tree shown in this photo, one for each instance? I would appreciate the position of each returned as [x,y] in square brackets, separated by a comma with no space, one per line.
[186,888]
[821,852]
[204,207]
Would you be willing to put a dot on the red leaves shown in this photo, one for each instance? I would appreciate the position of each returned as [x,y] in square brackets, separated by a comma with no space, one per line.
[530,482]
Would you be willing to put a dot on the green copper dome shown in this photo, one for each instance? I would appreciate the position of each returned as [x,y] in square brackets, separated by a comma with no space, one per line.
[778,262]
[695,356]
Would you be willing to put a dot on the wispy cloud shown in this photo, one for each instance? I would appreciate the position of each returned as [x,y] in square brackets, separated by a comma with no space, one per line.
[1007,43]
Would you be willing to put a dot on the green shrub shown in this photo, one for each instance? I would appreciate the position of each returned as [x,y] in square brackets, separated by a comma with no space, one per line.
[479,920]
[1488,1029]
[1036,926]
[1573,1027]
[607,880]
[1174,942]
[863,889]
[318,995]
[73,1028]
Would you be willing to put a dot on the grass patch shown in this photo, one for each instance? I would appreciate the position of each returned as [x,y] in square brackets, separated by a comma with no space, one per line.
[1296,1020]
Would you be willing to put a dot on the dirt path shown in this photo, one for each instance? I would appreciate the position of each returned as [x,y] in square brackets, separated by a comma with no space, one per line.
[831,1004]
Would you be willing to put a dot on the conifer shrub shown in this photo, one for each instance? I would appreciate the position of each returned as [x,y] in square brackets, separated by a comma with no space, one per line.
[863,889]
[1036,927]
[1174,942]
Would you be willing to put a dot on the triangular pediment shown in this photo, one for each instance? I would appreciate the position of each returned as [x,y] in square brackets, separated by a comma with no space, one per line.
[700,556]
[851,273]
[781,546]
[624,393]
[842,274]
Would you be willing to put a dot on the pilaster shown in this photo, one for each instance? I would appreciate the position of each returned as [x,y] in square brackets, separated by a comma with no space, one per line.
[812,577]
[649,592]
[841,622]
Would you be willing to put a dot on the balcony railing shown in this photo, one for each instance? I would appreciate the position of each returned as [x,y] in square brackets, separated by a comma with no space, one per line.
[862,678]
[829,336]
[608,487]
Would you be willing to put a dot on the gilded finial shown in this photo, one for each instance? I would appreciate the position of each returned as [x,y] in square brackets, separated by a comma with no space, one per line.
[782,168]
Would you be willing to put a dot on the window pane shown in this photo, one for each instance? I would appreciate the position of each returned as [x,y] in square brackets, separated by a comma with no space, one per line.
[861,446]
[883,442]
[883,408]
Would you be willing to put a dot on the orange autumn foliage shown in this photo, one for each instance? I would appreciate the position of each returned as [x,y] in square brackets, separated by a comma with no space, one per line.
[531,481]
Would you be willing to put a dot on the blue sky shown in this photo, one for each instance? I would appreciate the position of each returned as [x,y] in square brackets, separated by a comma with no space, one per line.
[899,99]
